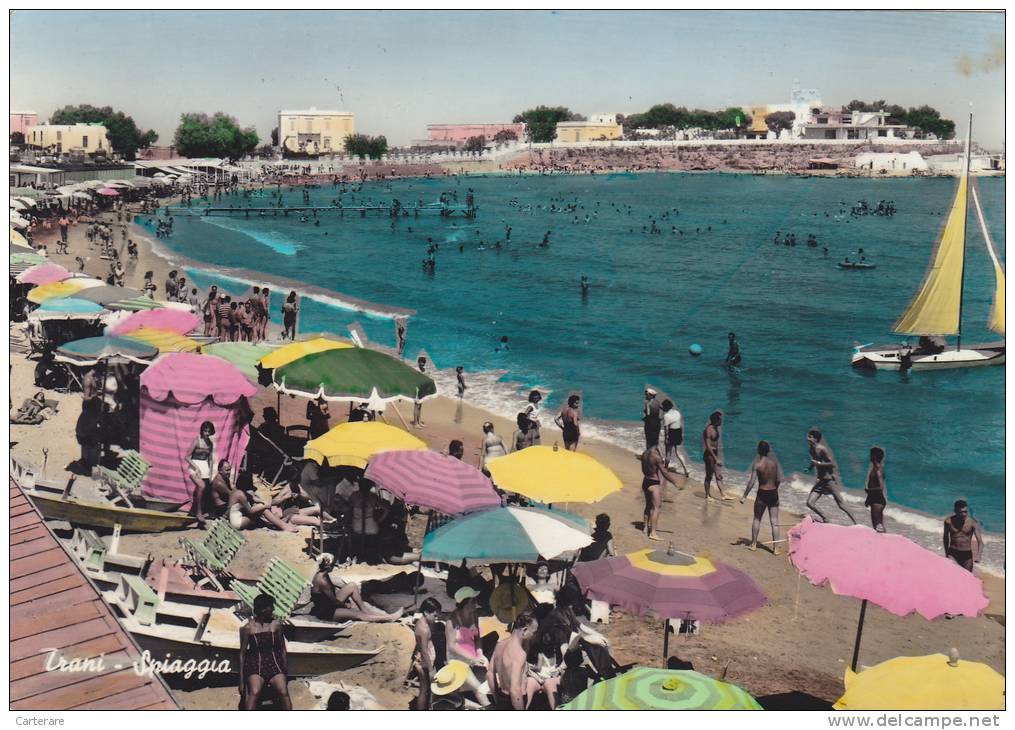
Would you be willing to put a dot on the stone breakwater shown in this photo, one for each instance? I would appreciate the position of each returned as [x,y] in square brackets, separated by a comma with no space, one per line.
[786,157]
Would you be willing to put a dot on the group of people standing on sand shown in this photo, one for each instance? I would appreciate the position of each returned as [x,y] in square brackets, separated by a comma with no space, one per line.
[242,321]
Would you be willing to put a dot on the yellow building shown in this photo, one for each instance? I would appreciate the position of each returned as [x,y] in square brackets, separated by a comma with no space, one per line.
[61,139]
[598,127]
[314,131]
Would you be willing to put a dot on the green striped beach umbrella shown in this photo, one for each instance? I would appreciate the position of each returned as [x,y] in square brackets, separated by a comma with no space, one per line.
[134,304]
[647,688]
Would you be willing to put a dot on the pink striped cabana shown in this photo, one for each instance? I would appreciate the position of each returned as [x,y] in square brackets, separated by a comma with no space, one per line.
[178,393]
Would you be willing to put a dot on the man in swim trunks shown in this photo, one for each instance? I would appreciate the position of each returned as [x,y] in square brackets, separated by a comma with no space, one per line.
[509,665]
[767,472]
[960,532]
[653,472]
[712,455]
[828,481]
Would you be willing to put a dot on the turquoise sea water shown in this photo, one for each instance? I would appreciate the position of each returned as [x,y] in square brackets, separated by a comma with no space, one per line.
[795,313]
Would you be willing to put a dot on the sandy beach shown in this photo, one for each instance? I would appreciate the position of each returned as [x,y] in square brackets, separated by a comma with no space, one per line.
[801,641]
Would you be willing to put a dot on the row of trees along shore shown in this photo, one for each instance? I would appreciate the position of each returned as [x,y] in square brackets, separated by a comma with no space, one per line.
[220,135]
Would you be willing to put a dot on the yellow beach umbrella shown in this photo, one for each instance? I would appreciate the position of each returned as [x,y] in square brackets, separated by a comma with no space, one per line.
[548,474]
[18,240]
[298,350]
[163,340]
[58,289]
[925,683]
[353,444]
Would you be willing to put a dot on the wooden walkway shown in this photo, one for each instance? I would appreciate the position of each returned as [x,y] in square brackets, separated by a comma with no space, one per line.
[53,606]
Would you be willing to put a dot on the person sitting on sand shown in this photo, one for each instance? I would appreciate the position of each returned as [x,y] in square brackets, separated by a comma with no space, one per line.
[654,472]
[463,641]
[828,478]
[767,473]
[525,436]
[509,678]
[217,496]
[602,542]
[368,512]
[246,511]
[342,602]
[295,508]
[877,493]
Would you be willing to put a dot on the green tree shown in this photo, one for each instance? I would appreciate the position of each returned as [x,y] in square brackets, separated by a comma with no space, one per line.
[505,135]
[733,118]
[778,121]
[928,121]
[219,135]
[362,146]
[124,135]
[475,144]
[541,122]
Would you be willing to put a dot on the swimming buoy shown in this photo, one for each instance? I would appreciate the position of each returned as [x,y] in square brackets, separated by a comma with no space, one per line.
[695,349]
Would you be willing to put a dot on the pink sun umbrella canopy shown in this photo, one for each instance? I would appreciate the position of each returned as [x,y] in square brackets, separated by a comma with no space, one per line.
[107,191]
[178,393]
[172,320]
[46,273]
[434,481]
[890,570]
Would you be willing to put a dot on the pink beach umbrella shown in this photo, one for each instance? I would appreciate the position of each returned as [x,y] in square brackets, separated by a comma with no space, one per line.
[433,481]
[107,191]
[890,570]
[46,273]
[173,320]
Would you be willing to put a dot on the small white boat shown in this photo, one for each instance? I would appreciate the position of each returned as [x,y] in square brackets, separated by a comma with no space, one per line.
[215,640]
[936,310]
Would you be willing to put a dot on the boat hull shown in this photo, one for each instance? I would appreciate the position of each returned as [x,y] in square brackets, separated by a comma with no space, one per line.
[97,514]
[890,358]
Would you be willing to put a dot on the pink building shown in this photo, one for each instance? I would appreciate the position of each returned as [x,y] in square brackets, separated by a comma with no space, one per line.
[462,132]
[20,121]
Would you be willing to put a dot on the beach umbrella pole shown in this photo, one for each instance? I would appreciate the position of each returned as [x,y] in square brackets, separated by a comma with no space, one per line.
[666,639]
[859,633]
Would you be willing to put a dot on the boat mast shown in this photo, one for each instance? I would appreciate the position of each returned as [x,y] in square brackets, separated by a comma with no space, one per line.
[965,216]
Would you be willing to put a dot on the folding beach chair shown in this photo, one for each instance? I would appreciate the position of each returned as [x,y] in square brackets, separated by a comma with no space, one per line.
[281,582]
[212,555]
[125,482]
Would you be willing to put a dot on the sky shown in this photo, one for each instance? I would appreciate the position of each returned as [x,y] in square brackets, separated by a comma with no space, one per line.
[401,70]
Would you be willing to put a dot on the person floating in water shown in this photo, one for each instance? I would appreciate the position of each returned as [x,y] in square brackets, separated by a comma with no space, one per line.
[503,346]
[733,355]
[585,286]
[546,240]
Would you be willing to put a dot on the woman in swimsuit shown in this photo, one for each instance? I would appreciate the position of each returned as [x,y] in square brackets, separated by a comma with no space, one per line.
[767,473]
[875,488]
[463,641]
[202,456]
[263,657]
[492,446]
[568,422]
[342,602]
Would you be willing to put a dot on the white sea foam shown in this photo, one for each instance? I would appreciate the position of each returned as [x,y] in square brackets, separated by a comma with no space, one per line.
[265,238]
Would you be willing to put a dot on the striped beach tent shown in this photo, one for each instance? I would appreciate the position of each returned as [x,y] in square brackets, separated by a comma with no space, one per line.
[178,393]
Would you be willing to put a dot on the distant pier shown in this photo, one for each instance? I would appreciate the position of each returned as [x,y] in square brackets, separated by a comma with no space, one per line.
[390,211]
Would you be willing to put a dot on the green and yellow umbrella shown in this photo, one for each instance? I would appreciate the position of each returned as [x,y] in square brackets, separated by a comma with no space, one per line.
[646,688]
[299,350]
[244,355]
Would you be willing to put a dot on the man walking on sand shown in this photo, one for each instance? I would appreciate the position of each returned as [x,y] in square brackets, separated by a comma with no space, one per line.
[960,532]
[509,665]
[653,473]
[828,479]
[767,473]
[712,455]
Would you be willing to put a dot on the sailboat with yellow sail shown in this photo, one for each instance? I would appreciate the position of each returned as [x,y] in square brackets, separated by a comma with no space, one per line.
[936,310]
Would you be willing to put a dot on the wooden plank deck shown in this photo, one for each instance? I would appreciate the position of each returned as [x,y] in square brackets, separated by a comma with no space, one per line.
[53,606]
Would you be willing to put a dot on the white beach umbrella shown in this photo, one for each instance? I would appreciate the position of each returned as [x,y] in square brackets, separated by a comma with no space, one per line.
[17,205]
[17,221]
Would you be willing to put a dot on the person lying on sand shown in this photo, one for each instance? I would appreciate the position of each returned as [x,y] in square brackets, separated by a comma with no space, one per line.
[246,511]
[342,602]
